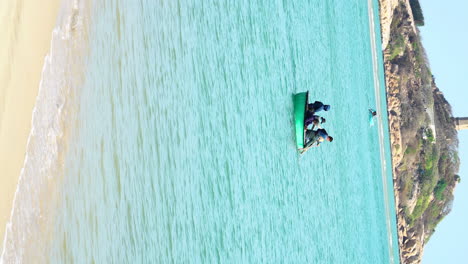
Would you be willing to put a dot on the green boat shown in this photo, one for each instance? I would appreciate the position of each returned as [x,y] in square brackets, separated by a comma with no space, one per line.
[300,105]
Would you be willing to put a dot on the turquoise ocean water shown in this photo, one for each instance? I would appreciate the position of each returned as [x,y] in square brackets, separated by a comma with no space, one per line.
[163,133]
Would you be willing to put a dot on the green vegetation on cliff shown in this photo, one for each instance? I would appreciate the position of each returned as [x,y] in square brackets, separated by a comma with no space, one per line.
[426,175]
[417,12]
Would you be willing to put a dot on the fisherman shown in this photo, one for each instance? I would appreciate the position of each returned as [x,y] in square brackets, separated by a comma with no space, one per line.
[315,120]
[317,107]
[316,136]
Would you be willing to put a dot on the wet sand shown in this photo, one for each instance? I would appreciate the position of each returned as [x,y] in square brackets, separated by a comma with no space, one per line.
[25,41]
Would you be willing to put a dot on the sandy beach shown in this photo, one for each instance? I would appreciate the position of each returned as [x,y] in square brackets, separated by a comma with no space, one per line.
[25,41]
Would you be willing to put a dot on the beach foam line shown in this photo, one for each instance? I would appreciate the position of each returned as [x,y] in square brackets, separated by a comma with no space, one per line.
[31,218]
[378,96]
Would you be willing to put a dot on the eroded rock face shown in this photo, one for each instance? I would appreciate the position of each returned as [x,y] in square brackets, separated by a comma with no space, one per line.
[387,8]
[386,15]
[420,160]
[410,241]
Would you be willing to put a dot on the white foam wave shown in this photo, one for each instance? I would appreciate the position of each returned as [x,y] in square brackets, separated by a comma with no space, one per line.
[29,224]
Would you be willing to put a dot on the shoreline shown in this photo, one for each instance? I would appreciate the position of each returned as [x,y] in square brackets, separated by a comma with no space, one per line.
[23,49]
[411,241]
[393,105]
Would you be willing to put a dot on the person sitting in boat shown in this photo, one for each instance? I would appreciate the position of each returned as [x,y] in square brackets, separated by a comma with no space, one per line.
[316,137]
[317,107]
[373,112]
[313,120]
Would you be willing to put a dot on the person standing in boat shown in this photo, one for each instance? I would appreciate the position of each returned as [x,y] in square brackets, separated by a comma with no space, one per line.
[317,107]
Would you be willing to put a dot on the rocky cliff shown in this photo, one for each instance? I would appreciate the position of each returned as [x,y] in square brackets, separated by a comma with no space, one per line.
[423,137]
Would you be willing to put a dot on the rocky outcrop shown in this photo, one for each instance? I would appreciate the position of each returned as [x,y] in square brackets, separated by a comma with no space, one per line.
[387,7]
[423,167]
[386,15]
[410,241]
